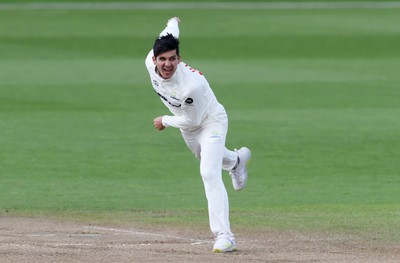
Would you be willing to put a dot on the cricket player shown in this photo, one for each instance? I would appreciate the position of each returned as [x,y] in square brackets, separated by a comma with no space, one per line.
[203,123]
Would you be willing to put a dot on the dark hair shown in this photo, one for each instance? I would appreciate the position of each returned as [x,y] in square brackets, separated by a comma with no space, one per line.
[165,43]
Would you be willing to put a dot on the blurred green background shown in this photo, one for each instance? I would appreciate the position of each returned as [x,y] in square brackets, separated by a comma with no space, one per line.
[314,93]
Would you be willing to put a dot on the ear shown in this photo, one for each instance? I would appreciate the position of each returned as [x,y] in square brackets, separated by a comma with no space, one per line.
[154,60]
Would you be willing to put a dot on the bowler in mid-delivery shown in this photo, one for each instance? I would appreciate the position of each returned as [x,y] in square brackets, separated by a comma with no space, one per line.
[203,123]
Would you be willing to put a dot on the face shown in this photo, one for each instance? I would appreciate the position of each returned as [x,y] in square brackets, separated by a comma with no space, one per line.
[167,63]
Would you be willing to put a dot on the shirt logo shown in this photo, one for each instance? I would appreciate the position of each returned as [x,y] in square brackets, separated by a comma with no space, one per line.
[166,100]
[215,135]
[189,101]
[173,95]
[155,82]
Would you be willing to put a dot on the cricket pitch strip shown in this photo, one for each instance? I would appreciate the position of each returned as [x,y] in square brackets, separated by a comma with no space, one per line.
[45,240]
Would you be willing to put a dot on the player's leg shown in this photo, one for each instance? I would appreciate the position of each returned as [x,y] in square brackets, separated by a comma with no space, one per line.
[239,172]
[211,172]
[192,142]
[230,160]
[236,163]
[212,141]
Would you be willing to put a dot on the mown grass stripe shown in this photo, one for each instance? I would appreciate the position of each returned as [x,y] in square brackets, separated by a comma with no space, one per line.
[196,5]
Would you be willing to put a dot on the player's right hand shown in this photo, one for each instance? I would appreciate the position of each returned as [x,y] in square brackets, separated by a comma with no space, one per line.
[175,18]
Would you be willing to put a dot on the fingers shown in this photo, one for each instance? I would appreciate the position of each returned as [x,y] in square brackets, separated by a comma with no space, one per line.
[158,123]
[175,18]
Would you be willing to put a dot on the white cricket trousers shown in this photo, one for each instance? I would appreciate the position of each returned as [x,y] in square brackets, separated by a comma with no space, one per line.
[208,145]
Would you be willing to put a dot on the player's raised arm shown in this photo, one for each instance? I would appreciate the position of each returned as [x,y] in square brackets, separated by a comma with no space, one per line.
[203,123]
[172,27]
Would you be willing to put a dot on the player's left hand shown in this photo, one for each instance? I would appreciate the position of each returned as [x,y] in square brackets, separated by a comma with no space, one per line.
[158,123]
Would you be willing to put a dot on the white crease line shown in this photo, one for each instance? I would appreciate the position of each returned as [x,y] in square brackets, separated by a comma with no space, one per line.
[41,235]
[45,245]
[198,5]
[68,245]
[194,241]
[64,235]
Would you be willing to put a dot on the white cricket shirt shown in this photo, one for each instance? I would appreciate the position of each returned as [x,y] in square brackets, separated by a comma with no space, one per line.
[186,94]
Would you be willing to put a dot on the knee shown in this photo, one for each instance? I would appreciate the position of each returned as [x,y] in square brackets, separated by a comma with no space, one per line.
[210,175]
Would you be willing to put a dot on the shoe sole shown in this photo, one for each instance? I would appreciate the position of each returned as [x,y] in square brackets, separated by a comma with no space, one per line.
[246,165]
[221,251]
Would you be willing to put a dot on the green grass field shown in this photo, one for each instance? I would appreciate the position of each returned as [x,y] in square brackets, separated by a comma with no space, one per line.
[315,94]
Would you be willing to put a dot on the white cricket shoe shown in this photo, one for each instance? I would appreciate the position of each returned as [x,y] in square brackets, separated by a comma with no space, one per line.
[239,174]
[224,243]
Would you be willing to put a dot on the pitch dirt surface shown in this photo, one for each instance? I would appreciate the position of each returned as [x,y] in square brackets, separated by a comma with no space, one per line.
[44,240]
